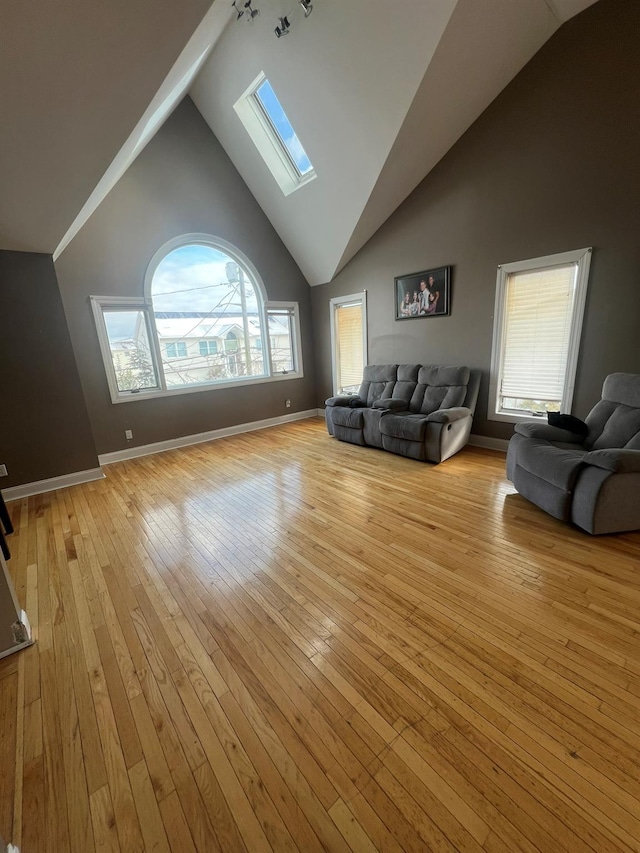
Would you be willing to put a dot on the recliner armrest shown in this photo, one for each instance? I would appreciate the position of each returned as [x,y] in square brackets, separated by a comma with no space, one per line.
[448,416]
[344,400]
[548,432]
[389,404]
[615,459]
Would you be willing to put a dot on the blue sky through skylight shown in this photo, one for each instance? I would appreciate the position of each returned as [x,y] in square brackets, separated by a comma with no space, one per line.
[281,123]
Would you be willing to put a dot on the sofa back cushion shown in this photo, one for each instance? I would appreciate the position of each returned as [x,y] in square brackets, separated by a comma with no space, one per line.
[378,381]
[439,388]
[406,382]
[615,420]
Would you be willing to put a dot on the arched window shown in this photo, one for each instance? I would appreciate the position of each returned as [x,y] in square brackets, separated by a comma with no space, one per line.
[201,292]
[202,323]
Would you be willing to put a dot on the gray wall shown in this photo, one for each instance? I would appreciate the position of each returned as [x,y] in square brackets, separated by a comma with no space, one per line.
[183,182]
[44,427]
[551,165]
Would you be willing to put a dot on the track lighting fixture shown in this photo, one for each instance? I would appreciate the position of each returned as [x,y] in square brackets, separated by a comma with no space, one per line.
[283,27]
[246,9]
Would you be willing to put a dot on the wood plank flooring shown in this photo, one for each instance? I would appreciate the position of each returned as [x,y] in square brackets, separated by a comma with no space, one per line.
[278,641]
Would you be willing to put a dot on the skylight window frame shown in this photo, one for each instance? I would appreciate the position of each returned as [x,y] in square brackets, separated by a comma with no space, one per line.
[267,139]
[278,135]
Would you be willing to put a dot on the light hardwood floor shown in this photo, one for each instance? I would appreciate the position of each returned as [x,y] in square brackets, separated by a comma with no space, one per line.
[278,641]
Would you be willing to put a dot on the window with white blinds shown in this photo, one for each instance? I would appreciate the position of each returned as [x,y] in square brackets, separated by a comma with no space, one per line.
[348,331]
[539,310]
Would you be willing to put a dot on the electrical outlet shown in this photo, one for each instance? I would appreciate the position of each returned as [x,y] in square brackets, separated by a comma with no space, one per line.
[3,471]
[287,403]
[128,434]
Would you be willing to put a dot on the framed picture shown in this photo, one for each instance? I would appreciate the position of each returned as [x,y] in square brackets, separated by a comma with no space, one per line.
[423,294]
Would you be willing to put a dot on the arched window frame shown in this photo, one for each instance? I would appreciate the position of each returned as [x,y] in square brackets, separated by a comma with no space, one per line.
[144,305]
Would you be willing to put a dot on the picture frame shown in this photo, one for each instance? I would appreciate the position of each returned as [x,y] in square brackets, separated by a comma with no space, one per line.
[423,294]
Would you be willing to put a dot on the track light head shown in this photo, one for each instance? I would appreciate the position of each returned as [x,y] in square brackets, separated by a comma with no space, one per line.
[307,5]
[283,27]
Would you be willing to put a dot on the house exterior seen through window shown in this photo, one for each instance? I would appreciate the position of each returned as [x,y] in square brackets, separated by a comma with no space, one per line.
[201,324]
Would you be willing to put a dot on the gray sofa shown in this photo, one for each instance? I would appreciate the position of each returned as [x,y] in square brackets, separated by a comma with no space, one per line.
[592,480]
[423,412]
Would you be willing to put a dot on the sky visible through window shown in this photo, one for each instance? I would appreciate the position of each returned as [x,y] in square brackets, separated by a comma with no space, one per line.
[281,123]
[192,278]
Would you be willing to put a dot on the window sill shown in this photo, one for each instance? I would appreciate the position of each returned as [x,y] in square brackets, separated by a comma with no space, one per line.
[208,386]
[516,418]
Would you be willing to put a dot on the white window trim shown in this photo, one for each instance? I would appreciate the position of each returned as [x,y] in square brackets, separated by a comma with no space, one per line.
[335,303]
[268,142]
[294,308]
[125,303]
[145,304]
[581,257]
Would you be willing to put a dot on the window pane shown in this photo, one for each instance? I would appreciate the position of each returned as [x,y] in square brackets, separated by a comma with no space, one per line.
[201,296]
[130,350]
[282,126]
[539,310]
[349,346]
[281,341]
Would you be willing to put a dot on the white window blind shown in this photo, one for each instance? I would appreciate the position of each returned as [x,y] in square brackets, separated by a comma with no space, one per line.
[538,317]
[349,347]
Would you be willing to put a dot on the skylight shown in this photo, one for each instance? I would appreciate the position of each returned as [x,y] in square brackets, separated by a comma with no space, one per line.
[269,102]
[267,124]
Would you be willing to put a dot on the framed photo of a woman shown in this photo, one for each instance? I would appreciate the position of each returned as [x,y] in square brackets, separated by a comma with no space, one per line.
[423,294]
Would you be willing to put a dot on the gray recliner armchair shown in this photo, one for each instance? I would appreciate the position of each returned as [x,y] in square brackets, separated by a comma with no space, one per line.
[593,480]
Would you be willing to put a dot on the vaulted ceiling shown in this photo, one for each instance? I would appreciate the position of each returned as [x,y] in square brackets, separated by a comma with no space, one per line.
[377,92]
[75,79]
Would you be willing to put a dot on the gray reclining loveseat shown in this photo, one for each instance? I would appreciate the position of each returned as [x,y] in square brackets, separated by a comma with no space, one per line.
[424,412]
[592,480]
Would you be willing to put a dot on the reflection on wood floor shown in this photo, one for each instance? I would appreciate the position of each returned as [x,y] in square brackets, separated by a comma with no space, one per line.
[278,641]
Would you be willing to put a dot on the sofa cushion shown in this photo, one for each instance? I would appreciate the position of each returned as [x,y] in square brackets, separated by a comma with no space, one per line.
[408,372]
[554,465]
[622,426]
[622,388]
[551,433]
[406,426]
[378,381]
[614,459]
[439,388]
[404,391]
[345,417]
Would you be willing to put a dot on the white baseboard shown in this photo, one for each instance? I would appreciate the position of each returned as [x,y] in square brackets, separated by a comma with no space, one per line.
[321,412]
[489,443]
[38,487]
[199,438]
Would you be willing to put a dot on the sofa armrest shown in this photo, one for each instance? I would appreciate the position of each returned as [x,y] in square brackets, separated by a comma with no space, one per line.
[619,461]
[549,433]
[390,404]
[448,416]
[342,401]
